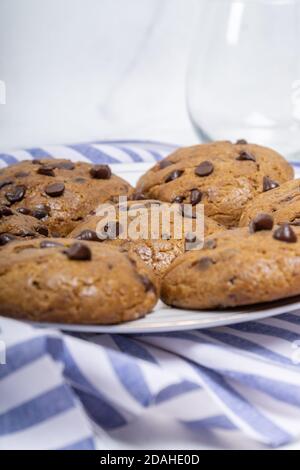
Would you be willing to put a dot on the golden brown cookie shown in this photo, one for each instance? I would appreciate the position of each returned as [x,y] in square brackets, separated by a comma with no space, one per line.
[59,192]
[283,203]
[67,281]
[237,267]
[156,252]
[221,175]
[15,225]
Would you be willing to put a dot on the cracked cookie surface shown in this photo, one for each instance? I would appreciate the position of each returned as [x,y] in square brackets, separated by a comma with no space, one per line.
[226,177]
[156,252]
[283,203]
[67,281]
[237,267]
[59,192]
[15,225]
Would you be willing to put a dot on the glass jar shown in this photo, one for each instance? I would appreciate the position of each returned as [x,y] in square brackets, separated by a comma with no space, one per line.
[243,78]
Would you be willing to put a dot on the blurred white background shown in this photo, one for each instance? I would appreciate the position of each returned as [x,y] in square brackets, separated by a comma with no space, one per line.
[77,70]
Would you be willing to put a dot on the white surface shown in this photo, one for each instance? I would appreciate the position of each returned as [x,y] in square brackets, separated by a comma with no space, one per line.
[155,431]
[79,70]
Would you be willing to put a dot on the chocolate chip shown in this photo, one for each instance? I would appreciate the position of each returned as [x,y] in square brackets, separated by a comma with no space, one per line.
[204,169]
[190,237]
[42,230]
[210,244]
[112,230]
[295,222]
[5,211]
[138,196]
[241,142]
[7,238]
[21,174]
[88,235]
[269,184]
[49,244]
[55,189]
[204,263]
[46,170]
[147,204]
[166,236]
[178,199]
[80,180]
[102,172]
[55,234]
[286,199]
[148,285]
[41,211]
[196,197]
[261,222]
[285,233]
[5,182]
[188,211]
[66,165]
[246,156]
[164,163]
[79,252]
[16,194]
[24,210]
[35,161]
[40,214]
[174,175]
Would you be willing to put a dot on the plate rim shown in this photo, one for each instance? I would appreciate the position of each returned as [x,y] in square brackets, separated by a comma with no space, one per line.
[132,327]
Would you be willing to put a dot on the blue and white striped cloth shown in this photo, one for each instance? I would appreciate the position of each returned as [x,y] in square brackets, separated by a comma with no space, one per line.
[109,152]
[57,390]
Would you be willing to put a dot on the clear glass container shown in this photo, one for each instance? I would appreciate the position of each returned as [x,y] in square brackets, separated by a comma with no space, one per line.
[243,78]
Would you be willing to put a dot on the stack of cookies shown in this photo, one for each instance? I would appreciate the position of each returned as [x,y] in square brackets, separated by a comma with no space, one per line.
[56,264]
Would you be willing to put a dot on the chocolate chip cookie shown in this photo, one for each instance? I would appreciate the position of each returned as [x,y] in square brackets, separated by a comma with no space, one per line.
[59,192]
[221,175]
[70,281]
[16,225]
[283,203]
[260,263]
[157,248]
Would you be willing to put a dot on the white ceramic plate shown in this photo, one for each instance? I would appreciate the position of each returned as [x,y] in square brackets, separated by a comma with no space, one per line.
[163,318]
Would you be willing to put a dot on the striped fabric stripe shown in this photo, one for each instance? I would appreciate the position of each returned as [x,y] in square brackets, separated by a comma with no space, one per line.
[110,152]
[206,389]
[55,389]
